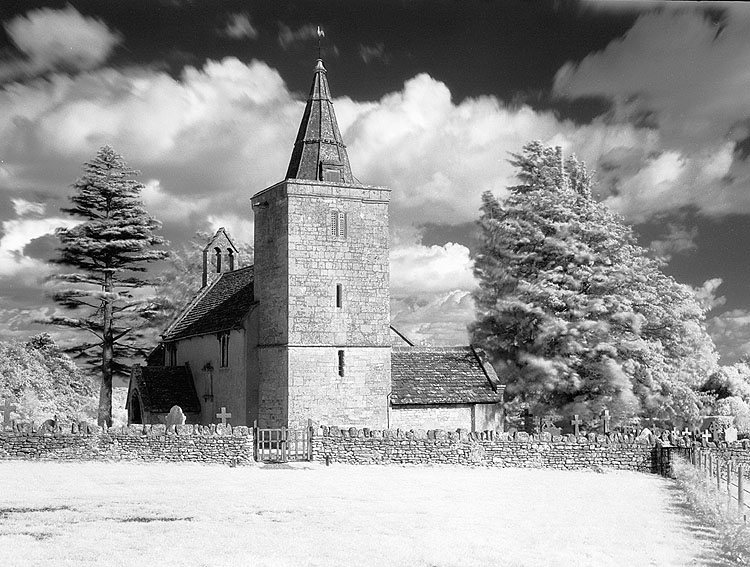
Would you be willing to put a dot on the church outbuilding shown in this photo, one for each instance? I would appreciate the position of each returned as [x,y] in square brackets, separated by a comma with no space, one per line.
[305,333]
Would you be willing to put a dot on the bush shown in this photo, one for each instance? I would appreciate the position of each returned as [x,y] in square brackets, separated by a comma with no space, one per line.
[44,382]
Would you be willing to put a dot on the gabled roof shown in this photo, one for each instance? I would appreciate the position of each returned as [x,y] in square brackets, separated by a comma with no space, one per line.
[319,139]
[161,387]
[442,375]
[220,306]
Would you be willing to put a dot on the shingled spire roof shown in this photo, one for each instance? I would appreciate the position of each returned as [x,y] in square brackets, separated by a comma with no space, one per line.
[319,152]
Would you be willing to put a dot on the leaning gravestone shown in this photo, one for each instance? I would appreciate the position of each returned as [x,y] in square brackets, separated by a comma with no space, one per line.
[175,417]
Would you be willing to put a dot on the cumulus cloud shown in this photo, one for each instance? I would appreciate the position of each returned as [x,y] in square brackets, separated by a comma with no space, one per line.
[169,207]
[431,268]
[687,80]
[434,319]
[376,52]
[678,240]
[731,334]
[210,138]
[431,287]
[240,27]
[288,36]
[51,39]
[707,296]
[17,233]
[22,207]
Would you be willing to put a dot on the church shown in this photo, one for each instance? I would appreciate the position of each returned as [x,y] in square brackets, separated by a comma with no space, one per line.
[304,333]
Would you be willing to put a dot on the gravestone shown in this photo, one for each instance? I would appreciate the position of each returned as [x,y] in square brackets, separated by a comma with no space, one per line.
[7,408]
[47,426]
[716,430]
[548,426]
[730,434]
[224,416]
[644,435]
[575,422]
[606,419]
[175,417]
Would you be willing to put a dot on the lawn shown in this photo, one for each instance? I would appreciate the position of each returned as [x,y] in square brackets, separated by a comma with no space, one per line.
[57,514]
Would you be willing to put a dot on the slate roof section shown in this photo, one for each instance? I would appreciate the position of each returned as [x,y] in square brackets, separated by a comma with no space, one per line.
[318,139]
[220,306]
[162,387]
[442,375]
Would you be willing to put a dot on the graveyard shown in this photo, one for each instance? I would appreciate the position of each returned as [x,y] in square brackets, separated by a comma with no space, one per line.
[309,514]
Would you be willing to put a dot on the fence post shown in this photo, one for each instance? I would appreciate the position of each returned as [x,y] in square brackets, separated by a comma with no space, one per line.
[729,478]
[255,440]
[740,491]
[282,452]
[309,440]
[709,466]
[718,474]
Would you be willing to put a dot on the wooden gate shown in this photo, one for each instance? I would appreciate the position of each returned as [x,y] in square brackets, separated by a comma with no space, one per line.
[282,445]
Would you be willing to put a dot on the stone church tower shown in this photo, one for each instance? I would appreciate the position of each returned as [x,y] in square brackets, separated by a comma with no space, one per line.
[322,284]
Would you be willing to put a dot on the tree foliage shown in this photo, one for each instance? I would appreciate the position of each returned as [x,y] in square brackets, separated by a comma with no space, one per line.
[578,316]
[181,278]
[108,251]
[44,382]
[730,386]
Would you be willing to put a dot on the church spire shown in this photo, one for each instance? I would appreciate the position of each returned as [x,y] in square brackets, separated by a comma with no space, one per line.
[319,152]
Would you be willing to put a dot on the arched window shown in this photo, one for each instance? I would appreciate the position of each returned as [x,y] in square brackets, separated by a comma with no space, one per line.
[218,260]
[230,257]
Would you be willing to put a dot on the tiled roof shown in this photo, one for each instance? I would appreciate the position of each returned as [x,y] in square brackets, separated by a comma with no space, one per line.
[442,375]
[220,306]
[162,387]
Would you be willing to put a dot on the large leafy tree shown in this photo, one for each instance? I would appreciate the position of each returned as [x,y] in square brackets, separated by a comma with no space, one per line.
[579,316]
[108,251]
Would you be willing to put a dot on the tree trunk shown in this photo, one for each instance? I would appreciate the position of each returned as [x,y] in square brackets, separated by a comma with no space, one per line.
[105,393]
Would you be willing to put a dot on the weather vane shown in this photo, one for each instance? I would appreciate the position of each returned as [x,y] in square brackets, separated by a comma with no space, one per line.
[321,34]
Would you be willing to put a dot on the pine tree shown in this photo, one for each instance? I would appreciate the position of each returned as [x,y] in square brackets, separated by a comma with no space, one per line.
[578,314]
[108,250]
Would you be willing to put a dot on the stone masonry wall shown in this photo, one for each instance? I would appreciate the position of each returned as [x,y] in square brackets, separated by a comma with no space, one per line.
[205,444]
[363,446]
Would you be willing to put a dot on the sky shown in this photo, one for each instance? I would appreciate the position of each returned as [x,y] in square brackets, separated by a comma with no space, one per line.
[204,97]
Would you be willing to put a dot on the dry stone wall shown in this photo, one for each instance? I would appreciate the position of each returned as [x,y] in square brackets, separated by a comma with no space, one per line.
[364,446]
[185,443]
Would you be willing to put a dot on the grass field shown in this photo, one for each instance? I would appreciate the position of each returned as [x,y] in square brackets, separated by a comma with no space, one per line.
[57,514]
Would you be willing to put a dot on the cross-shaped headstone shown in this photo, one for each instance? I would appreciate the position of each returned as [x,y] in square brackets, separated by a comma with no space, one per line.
[223,415]
[7,408]
[687,433]
[705,435]
[605,421]
[575,422]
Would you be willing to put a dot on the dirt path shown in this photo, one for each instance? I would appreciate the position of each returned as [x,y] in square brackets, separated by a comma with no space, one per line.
[129,514]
